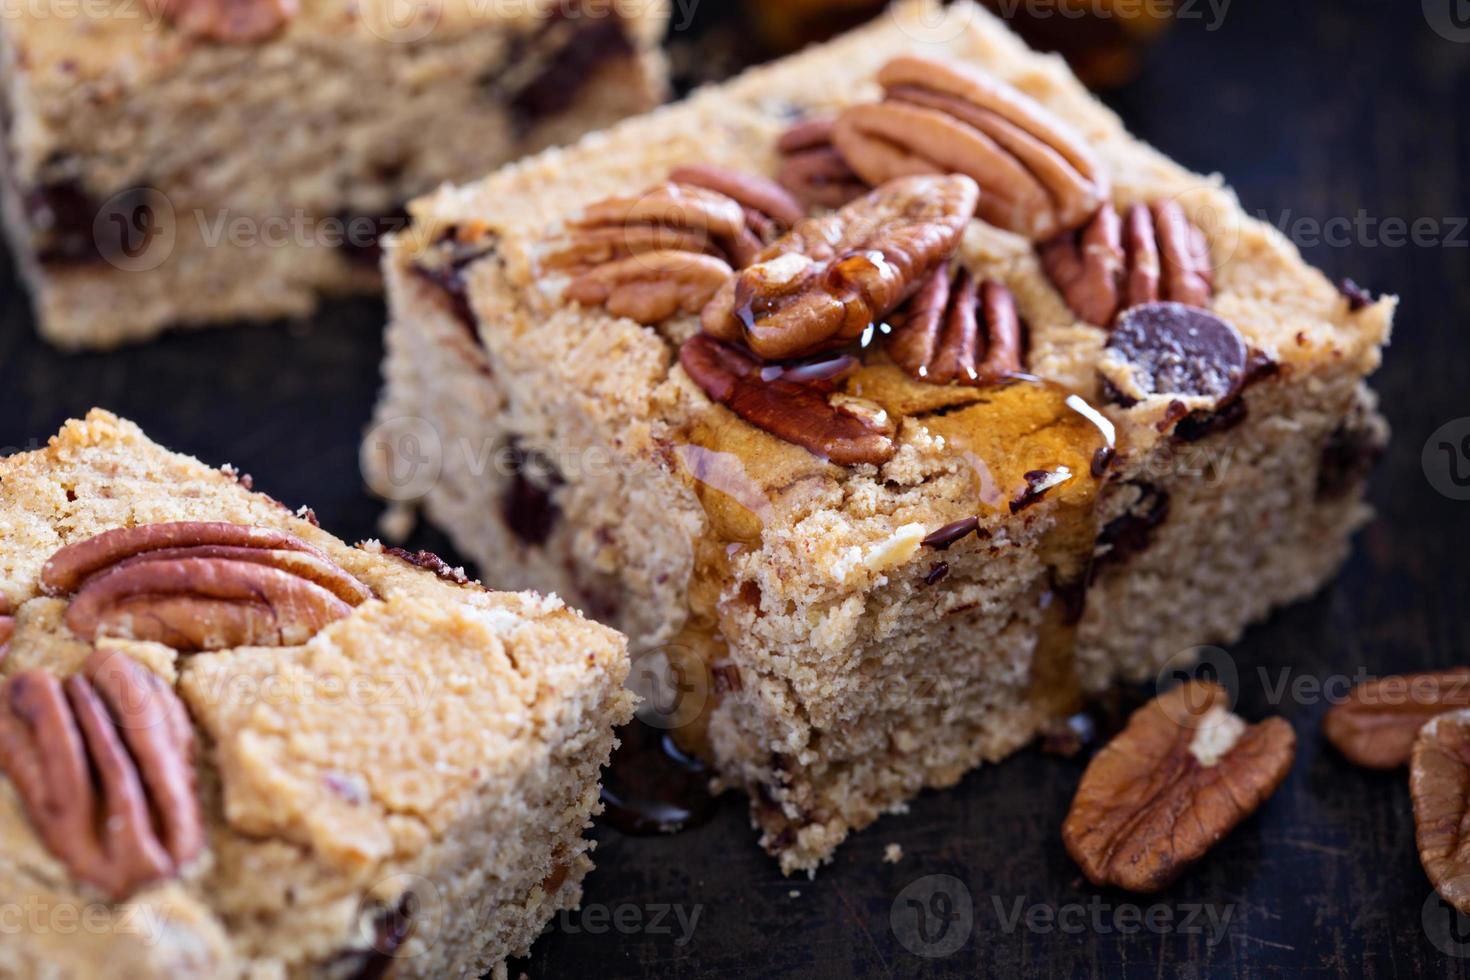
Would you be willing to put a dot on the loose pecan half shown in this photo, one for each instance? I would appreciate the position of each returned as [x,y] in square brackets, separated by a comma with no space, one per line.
[104,765]
[1376,725]
[955,331]
[229,21]
[1439,784]
[201,586]
[813,170]
[1177,779]
[1037,177]
[833,278]
[808,412]
[1152,253]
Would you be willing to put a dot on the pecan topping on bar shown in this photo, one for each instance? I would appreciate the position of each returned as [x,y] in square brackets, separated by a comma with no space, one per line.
[669,250]
[229,21]
[833,278]
[1439,784]
[104,765]
[1180,777]
[1152,253]
[1169,348]
[808,412]
[201,586]
[813,170]
[955,331]
[1037,177]
[1376,725]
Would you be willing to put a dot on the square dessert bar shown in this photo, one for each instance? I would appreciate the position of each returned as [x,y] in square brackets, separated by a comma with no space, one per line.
[233,746]
[193,161]
[893,394]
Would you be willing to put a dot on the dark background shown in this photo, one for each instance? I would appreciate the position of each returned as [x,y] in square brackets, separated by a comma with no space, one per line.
[1314,112]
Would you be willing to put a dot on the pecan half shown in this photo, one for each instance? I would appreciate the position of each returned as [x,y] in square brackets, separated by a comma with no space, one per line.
[955,331]
[1376,725]
[1177,779]
[813,170]
[201,586]
[833,278]
[1037,177]
[1439,784]
[229,21]
[1152,253]
[809,412]
[104,766]
[670,249]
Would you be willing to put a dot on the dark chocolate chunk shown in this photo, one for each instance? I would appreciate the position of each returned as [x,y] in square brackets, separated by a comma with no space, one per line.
[548,69]
[528,507]
[1348,457]
[1102,459]
[432,562]
[1131,533]
[443,265]
[1232,412]
[937,574]
[1357,297]
[64,218]
[942,539]
[1178,349]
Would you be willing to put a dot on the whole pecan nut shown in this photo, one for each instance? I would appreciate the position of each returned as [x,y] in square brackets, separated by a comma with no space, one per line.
[1152,253]
[229,21]
[652,287]
[1037,177]
[200,586]
[955,331]
[104,766]
[805,410]
[1439,784]
[832,279]
[1375,726]
[1180,776]
[813,170]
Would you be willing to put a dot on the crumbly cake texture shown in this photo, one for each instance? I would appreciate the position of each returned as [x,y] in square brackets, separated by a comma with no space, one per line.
[156,179]
[846,664]
[431,759]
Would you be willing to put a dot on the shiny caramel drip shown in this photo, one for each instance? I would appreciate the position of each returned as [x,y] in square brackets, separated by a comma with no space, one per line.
[1024,440]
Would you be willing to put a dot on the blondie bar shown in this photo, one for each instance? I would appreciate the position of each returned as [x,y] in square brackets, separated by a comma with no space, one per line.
[196,161]
[891,397]
[233,746]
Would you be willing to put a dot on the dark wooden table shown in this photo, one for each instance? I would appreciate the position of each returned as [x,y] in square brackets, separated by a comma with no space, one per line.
[1344,123]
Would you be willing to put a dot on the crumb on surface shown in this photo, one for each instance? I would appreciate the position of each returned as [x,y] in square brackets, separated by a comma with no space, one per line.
[892,854]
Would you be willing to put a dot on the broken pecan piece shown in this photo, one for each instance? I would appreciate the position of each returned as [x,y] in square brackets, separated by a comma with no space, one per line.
[955,331]
[809,413]
[1152,253]
[1037,177]
[813,170]
[1376,725]
[1177,779]
[201,586]
[229,21]
[104,766]
[833,278]
[1439,784]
